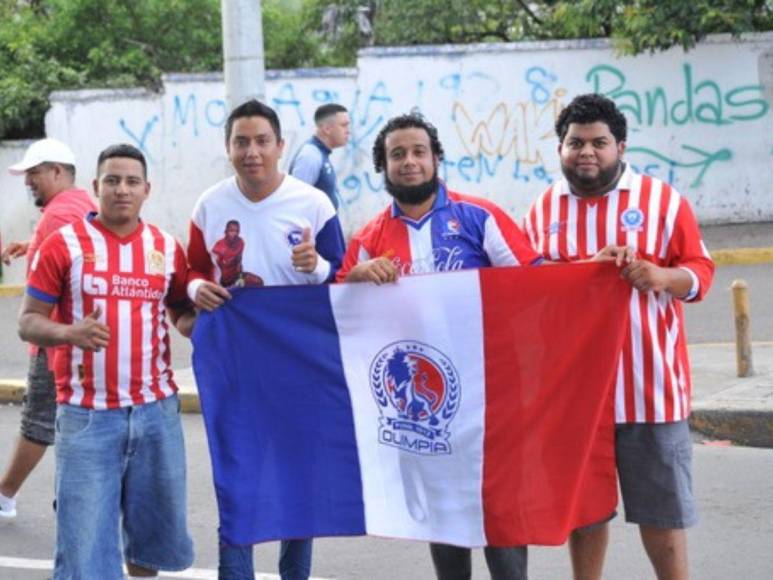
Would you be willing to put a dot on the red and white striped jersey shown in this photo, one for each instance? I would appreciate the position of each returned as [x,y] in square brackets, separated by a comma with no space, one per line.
[653,374]
[83,266]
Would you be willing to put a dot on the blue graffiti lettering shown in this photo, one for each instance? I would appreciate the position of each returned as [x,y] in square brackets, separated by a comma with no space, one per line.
[324,96]
[183,112]
[216,112]
[142,139]
[287,98]
[540,81]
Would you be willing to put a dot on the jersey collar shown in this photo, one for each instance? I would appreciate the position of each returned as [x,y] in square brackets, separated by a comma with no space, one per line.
[320,144]
[97,225]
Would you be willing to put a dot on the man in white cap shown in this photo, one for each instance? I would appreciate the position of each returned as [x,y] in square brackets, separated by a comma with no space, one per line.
[48,167]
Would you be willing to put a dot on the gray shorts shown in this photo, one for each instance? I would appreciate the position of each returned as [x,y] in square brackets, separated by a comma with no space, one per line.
[39,407]
[654,465]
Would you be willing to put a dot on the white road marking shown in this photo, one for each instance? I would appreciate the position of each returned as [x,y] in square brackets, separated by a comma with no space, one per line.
[190,573]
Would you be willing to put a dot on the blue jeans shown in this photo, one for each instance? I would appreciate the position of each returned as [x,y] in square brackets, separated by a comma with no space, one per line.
[126,462]
[294,561]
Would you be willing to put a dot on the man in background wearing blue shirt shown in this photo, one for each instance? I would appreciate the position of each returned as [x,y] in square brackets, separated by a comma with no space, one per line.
[312,162]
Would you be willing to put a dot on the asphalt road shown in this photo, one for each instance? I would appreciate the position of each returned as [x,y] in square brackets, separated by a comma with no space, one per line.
[733,539]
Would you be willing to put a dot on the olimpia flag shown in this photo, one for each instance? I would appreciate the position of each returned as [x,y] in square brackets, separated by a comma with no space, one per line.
[470,408]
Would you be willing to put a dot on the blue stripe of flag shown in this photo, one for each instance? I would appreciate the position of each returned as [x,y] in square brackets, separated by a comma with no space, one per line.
[278,417]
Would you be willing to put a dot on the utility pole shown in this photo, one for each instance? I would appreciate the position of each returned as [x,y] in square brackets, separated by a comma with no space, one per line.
[243,58]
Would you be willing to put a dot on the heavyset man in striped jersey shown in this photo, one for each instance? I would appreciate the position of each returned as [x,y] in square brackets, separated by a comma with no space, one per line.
[601,201]
[120,458]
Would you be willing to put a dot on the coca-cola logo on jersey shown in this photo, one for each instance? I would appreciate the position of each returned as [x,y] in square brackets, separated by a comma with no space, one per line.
[440,260]
[123,286]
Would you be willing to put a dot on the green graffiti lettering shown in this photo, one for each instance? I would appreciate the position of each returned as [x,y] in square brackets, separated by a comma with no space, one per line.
[686,102]
[759,106]
[710,112]
[704,102]
[653,98]
[705,159]
[616,93]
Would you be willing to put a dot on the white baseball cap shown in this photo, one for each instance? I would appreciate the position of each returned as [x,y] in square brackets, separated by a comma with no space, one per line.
[43,151]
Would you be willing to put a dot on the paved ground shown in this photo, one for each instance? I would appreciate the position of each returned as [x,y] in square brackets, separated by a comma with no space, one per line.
[732,540]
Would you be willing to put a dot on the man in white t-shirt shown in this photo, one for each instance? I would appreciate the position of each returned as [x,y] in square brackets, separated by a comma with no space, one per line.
[290,234]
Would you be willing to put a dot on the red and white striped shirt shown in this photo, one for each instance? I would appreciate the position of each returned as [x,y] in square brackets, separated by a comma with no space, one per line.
[653,375]
[83,266]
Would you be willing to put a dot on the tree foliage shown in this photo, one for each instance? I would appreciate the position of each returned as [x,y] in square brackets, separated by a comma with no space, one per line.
[634,25]
[638,26]
[48,45]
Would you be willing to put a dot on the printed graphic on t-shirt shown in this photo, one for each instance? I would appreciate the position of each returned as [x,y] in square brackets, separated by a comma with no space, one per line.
[228,255]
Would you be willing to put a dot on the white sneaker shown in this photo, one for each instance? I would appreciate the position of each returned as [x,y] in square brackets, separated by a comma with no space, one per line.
[7,507]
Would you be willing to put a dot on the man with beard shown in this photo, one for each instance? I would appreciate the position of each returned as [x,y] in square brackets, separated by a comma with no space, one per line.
[600,201]
[48,167]
[429,228]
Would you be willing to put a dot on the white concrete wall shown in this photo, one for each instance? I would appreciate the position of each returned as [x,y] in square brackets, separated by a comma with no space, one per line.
[701,120]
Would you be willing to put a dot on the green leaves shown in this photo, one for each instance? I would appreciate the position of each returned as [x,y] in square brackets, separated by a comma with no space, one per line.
[48,45]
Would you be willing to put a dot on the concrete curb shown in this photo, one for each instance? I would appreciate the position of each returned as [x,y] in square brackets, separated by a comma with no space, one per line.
[11,290]
[748,427]
[12,390]
[742,256]
[742,412]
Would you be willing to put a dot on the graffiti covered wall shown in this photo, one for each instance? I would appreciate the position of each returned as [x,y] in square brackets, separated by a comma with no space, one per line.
[701,120]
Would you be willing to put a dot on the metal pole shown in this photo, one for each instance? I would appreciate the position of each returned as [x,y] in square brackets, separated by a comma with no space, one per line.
[743,336]
[243,60]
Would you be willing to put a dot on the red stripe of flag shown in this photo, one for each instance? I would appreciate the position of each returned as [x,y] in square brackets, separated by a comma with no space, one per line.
[552,335]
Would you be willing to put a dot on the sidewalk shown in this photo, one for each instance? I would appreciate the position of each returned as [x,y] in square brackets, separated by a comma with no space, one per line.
[728,407]
[724,406]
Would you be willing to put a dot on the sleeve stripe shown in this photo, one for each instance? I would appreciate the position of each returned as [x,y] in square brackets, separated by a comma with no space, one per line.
[40,295]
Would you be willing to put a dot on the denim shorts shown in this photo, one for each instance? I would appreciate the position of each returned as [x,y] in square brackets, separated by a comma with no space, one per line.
[39,407]
[654,464]
[120,468]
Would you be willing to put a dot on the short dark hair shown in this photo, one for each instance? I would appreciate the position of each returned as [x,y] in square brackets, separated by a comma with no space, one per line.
[123,150]
[253,108]
[325,111]
[407,121]
[590,108]
[66,166]
[230,223]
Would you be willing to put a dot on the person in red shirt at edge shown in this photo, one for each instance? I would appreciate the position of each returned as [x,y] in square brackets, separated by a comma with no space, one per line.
[602,200]
[429,228]
[48,167]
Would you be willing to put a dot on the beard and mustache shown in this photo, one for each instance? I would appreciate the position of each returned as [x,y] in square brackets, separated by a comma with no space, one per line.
[593,185]
[37,198]
[412,194]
